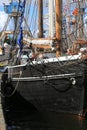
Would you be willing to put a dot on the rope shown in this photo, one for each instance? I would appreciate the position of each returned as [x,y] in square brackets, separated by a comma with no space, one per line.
[4,95]
[59,90]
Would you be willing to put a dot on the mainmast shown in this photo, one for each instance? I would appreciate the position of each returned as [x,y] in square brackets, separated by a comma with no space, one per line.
[51,18]
[58,25]
[58,19]
[40,18]
[80,18]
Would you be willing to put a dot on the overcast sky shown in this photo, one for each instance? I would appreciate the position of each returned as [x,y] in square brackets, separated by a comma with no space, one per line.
[3,15]
[4,1]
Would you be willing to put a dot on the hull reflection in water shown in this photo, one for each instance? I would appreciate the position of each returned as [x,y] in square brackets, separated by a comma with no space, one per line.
[22,117]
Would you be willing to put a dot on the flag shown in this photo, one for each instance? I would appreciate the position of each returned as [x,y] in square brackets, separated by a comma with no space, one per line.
[75,12]
[20,36]
[19,41]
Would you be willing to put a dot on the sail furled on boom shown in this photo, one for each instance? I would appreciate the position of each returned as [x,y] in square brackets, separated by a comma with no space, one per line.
[20,36]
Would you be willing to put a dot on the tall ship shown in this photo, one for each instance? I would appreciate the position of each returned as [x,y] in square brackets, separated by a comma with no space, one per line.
[47,55]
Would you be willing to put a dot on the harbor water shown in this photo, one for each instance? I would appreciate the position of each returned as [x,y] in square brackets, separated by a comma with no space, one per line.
[22,116]
[45,121]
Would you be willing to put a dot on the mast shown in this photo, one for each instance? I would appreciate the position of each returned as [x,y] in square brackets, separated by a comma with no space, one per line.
[58,10]
[51,18]
[81,11]
[40,18]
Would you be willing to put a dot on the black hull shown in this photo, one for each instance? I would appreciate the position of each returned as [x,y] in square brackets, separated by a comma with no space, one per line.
[59,97]
[60,93]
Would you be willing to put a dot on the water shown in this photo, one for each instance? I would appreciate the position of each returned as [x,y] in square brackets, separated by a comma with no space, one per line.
[24,117]
[45,121]
[20,115]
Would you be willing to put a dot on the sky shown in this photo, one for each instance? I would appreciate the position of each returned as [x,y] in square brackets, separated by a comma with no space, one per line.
[3,15]
[4,1]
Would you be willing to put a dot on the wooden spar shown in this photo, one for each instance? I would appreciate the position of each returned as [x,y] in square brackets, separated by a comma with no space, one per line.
[58,19]
[58,25]
[44,43]
[40,18]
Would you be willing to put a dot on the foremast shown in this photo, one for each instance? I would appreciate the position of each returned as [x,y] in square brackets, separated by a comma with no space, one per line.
[58,9]
[51,11]
[58,23]
[40,18]
[54,25]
